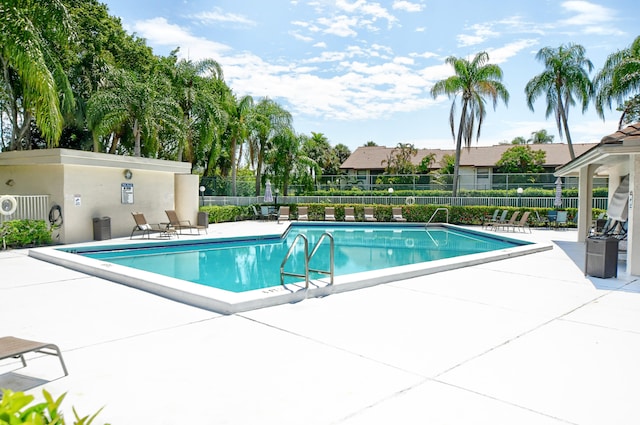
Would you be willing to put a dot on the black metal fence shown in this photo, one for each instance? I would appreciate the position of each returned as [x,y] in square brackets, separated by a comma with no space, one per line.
[245,187]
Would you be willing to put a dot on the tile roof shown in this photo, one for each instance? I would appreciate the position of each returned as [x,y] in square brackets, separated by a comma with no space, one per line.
[372,157]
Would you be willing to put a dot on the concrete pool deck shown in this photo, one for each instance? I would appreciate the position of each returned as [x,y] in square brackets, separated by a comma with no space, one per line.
[527,340]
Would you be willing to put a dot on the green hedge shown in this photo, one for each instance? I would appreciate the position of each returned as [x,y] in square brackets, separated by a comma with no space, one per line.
[467,215]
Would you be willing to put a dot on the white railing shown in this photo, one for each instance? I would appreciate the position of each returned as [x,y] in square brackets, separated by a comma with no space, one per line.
[30,207]
[508,201]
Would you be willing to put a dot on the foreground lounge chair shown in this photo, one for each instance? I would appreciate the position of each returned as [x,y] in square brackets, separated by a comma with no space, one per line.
[303,213]
[16,347]
[283,214]
[396,214]
[368,214]
[349,214]
[179,225]
[147,228]
[329,214]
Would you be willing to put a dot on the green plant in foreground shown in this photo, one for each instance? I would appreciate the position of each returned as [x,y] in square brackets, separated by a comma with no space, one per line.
[17,408]
[20,233]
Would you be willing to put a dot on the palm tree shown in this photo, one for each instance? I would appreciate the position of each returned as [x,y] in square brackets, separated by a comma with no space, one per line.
[129,104]
[196,90]
[564,77]
[473,81]
[619,79]
[540,137]
[237,111]
[267,120]
[31,80]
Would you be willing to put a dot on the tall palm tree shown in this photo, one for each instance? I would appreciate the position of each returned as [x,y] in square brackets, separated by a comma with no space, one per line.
[473,81]
[619,79]
[266,121]
[31,79]
[129,104]
[237,111]
[565,77]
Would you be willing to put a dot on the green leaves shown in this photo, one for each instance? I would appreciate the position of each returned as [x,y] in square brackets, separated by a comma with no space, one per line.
[15,409]
[20,233]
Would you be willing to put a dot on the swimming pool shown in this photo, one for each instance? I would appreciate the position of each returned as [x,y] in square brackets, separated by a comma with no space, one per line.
[229,275]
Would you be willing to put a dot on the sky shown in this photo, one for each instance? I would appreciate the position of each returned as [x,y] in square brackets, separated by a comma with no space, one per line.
[361,70]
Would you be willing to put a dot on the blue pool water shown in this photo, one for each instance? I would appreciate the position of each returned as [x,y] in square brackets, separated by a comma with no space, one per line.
[249,264]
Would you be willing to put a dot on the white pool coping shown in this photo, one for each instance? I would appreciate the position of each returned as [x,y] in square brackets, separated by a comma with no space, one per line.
[226,302]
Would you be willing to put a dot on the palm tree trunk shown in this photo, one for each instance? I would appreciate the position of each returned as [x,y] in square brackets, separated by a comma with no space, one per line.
[456,166]
[136,132]
[234,168]
[563,116]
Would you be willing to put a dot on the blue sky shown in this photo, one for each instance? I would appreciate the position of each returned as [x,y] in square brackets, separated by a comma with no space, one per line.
[360,70]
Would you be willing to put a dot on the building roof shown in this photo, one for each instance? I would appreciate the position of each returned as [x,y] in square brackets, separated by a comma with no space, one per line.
[373,157]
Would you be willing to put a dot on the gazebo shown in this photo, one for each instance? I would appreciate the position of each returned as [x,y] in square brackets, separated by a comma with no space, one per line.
[617,155]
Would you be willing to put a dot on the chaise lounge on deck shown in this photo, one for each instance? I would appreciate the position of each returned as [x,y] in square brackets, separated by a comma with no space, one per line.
[16,347]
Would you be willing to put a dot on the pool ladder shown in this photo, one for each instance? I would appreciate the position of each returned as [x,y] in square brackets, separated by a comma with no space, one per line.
[436,212]
[307,259]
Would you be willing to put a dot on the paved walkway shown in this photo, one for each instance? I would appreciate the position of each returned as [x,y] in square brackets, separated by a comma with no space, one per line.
[529,340]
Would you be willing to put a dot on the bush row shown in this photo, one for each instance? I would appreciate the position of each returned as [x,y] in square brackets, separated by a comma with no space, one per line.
[467,215]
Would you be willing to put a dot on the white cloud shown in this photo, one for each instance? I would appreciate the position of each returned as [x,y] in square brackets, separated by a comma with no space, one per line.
[300,37]
[340,26]
[502,54]
[320,45]
[161,32]
[218,16]
[481,32]
[592,18]
[407,6]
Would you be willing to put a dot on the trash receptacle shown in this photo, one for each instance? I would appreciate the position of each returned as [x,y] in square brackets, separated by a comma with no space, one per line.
[203,218]
[101,228]
[602,257]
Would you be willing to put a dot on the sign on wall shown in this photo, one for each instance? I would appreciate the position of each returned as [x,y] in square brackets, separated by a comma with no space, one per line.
[126,190]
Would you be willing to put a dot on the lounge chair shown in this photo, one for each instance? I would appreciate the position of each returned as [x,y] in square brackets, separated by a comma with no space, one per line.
[552,218]
[256,214]
[500,220]
[489,220]
[329,214]
[179,225]
[368,214]
[509,224]
[283,214]
[303,213]
[349,214]
[562,219]
[146,228]
[523,223]
[396,214]
[16,347]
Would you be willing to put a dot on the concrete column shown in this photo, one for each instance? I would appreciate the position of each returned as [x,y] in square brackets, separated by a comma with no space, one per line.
[585,201]
[633,235]
[186,196]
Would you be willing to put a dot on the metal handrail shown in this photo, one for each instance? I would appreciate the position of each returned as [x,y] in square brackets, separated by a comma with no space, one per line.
[315,249]
[436,211]
[306,261]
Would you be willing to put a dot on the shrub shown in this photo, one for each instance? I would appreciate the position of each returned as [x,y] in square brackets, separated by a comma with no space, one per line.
[17,408]
[21,233]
